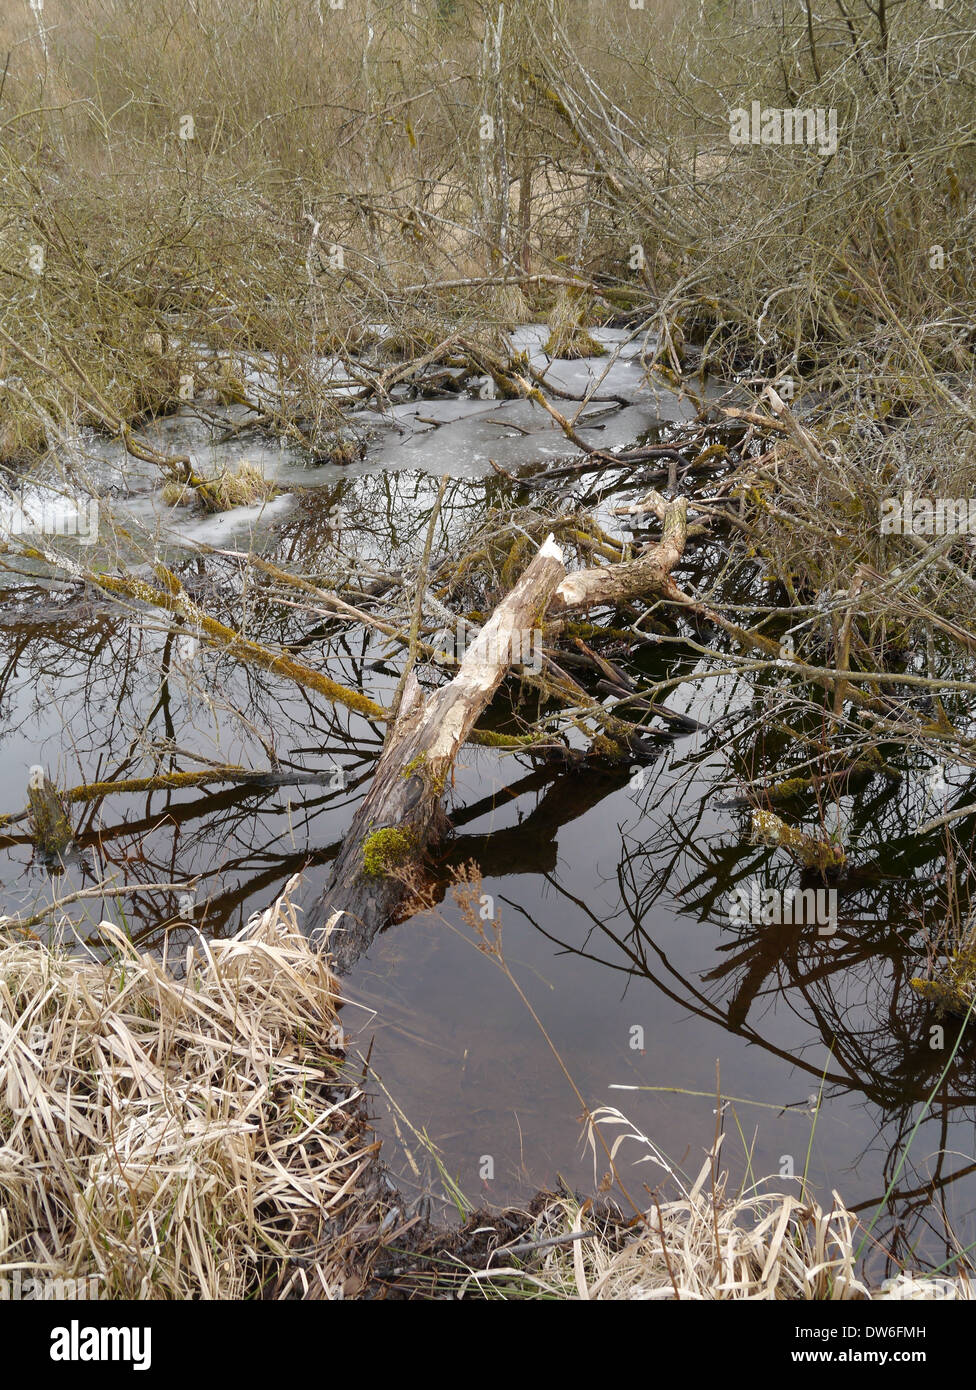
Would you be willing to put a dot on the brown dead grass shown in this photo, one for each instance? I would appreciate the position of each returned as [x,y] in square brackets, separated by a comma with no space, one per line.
[183,1132]
[178,1133]
[242,486]
[705,1244]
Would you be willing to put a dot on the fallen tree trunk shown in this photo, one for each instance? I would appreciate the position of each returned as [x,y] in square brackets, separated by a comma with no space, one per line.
[379,862]
[648,573]
[401,814]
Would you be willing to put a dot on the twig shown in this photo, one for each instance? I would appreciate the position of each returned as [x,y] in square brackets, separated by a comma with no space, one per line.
[418,606]
[542,1244]
[23,923]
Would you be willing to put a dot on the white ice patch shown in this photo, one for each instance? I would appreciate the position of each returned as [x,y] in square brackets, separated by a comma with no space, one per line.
[218,527]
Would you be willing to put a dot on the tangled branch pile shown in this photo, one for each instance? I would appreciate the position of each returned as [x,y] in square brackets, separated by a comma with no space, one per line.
[184,200]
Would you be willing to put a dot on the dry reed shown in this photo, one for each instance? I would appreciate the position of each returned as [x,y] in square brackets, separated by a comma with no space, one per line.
[178,1133]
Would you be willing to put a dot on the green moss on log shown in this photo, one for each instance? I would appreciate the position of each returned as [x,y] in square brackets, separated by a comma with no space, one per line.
[954,990]
[814,853]
[420,767]
[387,849]
[50,825]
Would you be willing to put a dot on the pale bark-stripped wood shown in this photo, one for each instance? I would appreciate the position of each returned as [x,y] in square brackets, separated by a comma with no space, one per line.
[648,573]
[401,814]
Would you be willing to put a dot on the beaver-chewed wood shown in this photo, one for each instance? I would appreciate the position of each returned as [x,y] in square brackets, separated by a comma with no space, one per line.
[648,573]
[401,814]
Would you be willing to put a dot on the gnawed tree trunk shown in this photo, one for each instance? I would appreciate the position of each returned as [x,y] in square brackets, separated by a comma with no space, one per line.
[648,573]
[401,813]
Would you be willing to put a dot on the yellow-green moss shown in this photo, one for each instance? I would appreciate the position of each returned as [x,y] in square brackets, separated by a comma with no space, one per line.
[814,853]
[713,451]
[953,992]
[487,738]
[161,781]
[387,849]
[789,787]
[607,748]
[418,766]
[173,600]
[50,825]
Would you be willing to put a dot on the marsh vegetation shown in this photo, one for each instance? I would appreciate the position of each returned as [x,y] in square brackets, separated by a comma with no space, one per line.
[503,472]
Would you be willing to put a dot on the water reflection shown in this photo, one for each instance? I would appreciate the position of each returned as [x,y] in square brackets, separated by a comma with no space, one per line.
[613,881]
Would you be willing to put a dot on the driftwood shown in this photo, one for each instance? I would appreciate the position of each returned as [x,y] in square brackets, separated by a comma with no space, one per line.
[401,814]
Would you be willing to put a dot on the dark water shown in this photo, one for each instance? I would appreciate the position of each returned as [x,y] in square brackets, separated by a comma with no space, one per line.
[611,884]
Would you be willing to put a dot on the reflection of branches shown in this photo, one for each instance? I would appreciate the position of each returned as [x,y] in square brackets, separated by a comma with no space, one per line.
[134,698]
[851,993]
[130,702]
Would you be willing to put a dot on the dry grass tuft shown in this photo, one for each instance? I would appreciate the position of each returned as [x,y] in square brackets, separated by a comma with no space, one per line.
[183,1134]
[568,338]
[754,1248]
[509,307]
[22,439]
[242,486]
[178,1134]
[177,494]
[704,1244]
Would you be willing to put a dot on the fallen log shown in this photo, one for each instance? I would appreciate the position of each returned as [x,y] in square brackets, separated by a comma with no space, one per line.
[647,574]
[168,781]
[401,815]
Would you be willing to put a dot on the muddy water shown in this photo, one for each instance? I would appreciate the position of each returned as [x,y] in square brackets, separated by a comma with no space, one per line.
[611,886]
